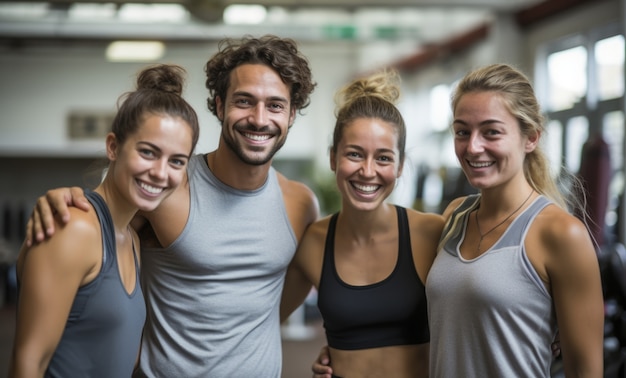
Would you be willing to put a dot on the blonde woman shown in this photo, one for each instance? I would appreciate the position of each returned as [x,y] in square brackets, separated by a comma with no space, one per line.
[514,265]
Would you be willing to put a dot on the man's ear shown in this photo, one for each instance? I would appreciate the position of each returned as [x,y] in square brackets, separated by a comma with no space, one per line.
[219,108]
[292,116]
[111,146]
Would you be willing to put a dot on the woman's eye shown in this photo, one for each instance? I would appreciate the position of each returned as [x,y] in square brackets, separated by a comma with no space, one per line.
[179,162]
[146,152]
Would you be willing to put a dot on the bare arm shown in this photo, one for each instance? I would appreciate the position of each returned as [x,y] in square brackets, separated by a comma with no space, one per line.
[50,274]
[295,290]
[302,209]
[305,268]
[572,267]
[54,204]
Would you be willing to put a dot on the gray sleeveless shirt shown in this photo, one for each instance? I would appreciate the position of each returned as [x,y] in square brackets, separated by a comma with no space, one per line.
[102,334]
[213,295]
[491,316]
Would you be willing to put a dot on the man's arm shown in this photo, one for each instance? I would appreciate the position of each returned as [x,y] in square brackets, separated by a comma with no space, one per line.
[54,203]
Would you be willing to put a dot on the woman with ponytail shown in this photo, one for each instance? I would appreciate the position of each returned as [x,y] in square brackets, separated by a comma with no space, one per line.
[514,265]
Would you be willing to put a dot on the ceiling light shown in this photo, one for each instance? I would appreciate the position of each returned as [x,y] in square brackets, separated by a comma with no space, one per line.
[244,14]
[149,13]
[135,51]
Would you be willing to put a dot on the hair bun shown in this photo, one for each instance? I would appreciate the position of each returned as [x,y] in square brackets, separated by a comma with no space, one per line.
[163,77]
[384,84]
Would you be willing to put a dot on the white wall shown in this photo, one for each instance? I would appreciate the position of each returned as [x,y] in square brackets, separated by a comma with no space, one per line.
[40,86]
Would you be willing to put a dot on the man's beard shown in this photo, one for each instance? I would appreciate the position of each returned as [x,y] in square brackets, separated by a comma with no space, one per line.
[245,157]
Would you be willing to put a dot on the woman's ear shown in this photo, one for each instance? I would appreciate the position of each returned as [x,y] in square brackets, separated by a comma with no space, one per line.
[532,141]
[400,168]
[111,146]
[333,163]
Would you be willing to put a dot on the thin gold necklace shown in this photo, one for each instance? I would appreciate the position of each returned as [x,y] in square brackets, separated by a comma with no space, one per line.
[482,236]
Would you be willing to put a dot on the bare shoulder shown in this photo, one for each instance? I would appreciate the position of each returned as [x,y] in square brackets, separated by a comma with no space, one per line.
[453,205]
[75,245]
[83,226]
[425,230]
[317,231]
[311,247]
[559,243]
[429,223]
[296,191]
[558,228]
[301,204]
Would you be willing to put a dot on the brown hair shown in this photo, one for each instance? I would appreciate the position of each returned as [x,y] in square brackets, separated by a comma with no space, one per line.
[158,91]
[281,54]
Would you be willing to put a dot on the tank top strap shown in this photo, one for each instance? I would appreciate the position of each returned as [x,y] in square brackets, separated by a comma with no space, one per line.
[404,239]
[516,232]
[106,225]
[329,246]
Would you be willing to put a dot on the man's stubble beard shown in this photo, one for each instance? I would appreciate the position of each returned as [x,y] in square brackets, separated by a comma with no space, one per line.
[241,153]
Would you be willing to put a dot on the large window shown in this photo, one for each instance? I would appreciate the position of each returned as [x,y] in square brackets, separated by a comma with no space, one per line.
[580,82]
[582,92]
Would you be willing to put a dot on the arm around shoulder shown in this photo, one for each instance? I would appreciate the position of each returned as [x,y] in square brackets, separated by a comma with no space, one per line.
[53,205]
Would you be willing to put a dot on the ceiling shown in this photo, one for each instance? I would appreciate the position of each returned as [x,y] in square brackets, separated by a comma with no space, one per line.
[420,21]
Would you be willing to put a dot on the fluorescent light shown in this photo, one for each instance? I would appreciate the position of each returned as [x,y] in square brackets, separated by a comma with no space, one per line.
[244,14]
[135,51]
[148,13]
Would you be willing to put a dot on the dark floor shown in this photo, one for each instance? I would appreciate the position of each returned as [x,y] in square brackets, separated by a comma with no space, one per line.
[298,354]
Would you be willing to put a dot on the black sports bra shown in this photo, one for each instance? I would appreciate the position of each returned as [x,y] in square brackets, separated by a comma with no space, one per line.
[390,312]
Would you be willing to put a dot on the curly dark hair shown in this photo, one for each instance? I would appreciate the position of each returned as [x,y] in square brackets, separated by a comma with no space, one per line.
[279,53]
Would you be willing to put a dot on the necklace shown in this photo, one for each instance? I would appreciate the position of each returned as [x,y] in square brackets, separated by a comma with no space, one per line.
[482,236]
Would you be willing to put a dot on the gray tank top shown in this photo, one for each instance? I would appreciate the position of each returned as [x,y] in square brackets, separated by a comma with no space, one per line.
[491,316]
[103,330]
[213,295]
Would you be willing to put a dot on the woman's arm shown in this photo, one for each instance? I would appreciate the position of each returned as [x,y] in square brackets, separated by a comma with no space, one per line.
[50,273]
[574,274]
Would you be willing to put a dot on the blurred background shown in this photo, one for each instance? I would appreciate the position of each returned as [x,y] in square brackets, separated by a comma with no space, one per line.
[64,63]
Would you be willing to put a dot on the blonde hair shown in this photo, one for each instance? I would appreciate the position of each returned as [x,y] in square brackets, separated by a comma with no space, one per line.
[518,96]
[373,96]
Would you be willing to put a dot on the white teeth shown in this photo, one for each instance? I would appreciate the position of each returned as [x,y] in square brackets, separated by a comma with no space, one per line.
[478,164]
[366,188]
[150,189]
[257,137]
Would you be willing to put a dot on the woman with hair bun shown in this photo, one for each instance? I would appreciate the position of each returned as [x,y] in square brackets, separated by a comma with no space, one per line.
[81,310]
[369,261]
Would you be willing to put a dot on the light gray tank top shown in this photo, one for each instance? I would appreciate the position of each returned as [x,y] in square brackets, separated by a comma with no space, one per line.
[213,296]
[491,316]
